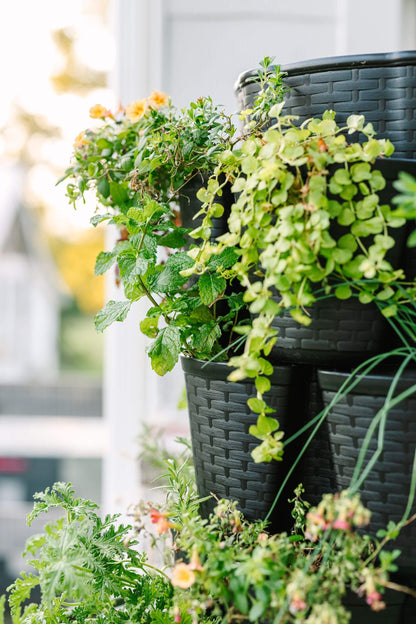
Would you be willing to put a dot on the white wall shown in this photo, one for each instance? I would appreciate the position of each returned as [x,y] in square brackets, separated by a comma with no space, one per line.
[190,48]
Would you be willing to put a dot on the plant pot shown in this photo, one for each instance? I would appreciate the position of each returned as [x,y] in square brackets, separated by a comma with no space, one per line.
[385,491]
[380,86]
[190,205]
[220,420]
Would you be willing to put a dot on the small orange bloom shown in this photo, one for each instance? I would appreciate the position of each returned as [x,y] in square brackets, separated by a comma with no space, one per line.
[136,110]
[80,140]
[160,520]
[183,576]
[195,563]
[157,99]
[98,112]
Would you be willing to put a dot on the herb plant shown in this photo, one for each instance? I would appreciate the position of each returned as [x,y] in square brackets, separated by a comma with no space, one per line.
[88,569]
[138,162]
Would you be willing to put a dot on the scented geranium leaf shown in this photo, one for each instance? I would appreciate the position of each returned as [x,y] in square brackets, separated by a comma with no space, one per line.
[170,279]
[21,590]
[164,351]
[211,286]
[104,261]
[113,311]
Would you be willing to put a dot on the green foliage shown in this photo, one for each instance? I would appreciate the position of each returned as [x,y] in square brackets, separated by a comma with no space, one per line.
[307,222]
[87,567]
[138,161]
[236,570]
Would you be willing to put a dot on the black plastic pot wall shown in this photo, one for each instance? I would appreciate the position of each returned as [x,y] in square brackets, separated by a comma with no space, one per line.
[219,421]
[386,489]
[380,86]
[190,205]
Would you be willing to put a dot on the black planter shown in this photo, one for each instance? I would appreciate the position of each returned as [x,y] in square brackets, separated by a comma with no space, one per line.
[190,205]
[386,489]
[380,86]
[220,420]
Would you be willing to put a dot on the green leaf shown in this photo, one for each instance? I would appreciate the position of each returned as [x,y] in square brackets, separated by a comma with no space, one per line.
[104,261]
[113,311]
[411,241]
[103,187]
[174,239]
[170,279]
[211,286]
[343,292]
[148,326]
[264,426]
[262,384]
[164,351]
[360,172]
[118,193]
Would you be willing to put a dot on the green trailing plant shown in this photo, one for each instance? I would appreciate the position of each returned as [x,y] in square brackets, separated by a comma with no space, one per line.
[307,224]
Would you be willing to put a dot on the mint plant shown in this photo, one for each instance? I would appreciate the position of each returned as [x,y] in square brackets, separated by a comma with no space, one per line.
[138,161]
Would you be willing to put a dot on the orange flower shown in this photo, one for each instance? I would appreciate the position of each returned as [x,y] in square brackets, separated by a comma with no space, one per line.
[98,112]
[160,520]
[136,110]
[157,99]
[80,140]
[183,576]
[195,563]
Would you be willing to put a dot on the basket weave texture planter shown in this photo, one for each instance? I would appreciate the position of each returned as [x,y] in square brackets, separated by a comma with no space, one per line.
[386,489]
[220,421]
[380,86]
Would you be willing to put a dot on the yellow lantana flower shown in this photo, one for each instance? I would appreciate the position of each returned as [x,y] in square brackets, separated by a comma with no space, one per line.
[183,576]
[157,99]
[98,111]
[136,110]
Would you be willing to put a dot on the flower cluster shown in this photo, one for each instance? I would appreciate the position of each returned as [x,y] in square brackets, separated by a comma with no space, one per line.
[341,512]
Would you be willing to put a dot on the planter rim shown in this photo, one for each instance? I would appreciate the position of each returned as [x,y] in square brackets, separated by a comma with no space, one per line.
[353,61]
[376,385]
[221,370]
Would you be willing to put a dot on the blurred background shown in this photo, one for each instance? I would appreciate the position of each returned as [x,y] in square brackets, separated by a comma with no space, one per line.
[72,402]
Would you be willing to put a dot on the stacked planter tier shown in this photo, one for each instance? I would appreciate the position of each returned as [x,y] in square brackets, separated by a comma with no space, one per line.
[386,489]
[220,420]
[380,86]
[222,445]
